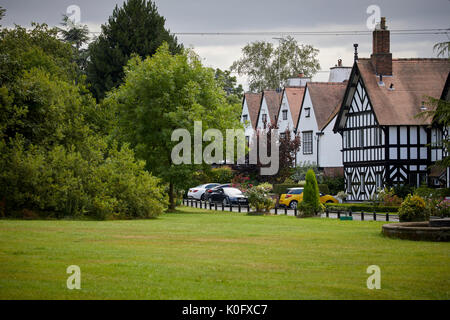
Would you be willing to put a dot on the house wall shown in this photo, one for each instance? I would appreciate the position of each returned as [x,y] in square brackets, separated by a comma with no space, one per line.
[248,127]
[307,124]
[285,124]
[330,147]
[264,110]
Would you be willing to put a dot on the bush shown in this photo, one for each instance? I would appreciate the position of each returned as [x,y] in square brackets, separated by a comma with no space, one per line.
[335,184]
[311,198]
[301,170]
[259,199]
[402,191]
[324,188]
[221,175]
[282,188]
[61,182]
[413,208]
[357,207]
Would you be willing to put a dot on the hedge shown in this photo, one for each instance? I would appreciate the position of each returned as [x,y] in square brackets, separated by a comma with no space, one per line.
[324,188]
[282,187]
[357,207]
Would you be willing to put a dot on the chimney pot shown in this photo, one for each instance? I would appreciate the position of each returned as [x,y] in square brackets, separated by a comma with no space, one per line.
[383,23]
[340,62]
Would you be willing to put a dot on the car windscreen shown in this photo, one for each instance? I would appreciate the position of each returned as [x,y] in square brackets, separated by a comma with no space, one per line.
[233,192]
[211,185]
[295,191]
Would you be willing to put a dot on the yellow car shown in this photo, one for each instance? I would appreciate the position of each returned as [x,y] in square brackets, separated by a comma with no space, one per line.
[295,195]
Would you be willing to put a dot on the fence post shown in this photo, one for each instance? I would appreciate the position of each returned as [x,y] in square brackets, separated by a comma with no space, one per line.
[215,206]
[295,211]
[196,203]
[327,213]
[362,215]
[276,210]
[248,208]
[338,214]
[387,216]
[231,207]
[223,207]
[374,216]
[239,207]
[350,212]
[285,210]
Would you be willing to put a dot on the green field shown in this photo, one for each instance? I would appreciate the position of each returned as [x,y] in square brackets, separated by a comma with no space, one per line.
[194,254]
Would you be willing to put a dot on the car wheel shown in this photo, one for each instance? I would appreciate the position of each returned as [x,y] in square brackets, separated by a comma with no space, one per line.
[202,197]
[225,201]
[329,201]
[293,204]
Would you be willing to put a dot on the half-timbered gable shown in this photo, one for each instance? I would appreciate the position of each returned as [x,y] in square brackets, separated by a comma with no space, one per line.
[384,142]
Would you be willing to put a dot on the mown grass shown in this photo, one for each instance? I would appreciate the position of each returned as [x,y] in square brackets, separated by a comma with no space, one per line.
[193,254]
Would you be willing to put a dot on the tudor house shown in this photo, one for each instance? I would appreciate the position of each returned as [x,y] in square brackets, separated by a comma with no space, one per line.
[319,144]
[383,140]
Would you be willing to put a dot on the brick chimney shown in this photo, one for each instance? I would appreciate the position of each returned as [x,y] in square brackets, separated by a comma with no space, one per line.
[381,56]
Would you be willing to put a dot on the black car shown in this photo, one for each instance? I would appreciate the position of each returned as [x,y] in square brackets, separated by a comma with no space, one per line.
[228,196]
[210,191]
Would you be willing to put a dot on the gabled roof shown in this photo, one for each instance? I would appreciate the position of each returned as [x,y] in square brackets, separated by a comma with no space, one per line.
[253,105]
[273,101]
[412,79]
[294,96]
[326,98]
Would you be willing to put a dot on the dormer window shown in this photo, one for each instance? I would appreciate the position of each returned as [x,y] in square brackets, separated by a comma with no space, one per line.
[264,118]
[307,112]
[245,118]
[284,114]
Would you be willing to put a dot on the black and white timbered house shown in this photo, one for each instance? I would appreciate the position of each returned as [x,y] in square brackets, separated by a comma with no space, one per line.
[384,142]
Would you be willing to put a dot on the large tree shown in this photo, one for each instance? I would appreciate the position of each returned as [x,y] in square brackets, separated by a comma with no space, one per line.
[268,67]
[229,85]
[164,93]
[134,28]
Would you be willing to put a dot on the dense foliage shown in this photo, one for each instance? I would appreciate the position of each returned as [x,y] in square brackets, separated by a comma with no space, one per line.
[135,28]
[56,158]
[163,93]
[413,208]
[259,199]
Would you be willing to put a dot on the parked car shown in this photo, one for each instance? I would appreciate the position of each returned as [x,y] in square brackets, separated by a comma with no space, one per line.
[295,195]
[210,191]
[198,192]
[228,196]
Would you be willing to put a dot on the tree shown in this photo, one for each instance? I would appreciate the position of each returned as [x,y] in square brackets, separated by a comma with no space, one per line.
[443,49]
[77,36]
[163,93]
[311,197]
[2,13]
[135,28]
[229,84]
[269,68]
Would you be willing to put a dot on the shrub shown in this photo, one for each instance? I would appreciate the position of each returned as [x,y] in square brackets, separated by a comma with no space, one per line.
[311,197]
[221,175]
[357,207]
[335,184]
[259,199]
[342,195]
[413,208]
[402,191]
[324,188]
[387,197]
[301,170]
[241,182]
[282,188]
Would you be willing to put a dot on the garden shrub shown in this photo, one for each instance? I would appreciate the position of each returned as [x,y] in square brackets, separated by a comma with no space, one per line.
[358,207]
[324,188]
[413,208]
[259,199]
[221,175]
[311,199]
[335,184]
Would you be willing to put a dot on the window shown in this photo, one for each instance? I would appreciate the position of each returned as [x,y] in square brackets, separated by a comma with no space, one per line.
[244,117]
[247,141]
[264,117]
[283,135]
[284,114]
[296,191]
[307,112]
[307,142]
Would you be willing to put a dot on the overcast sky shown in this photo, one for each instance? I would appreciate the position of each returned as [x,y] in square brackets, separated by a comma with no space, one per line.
[264,15]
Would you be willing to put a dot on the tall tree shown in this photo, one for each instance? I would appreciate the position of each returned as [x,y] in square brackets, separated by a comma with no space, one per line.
[229,84]
[268,67]
[77,35]
[134,28]
[164,93]
[443,49]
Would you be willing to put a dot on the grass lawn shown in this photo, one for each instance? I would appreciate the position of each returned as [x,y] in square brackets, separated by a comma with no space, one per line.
[194,254]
